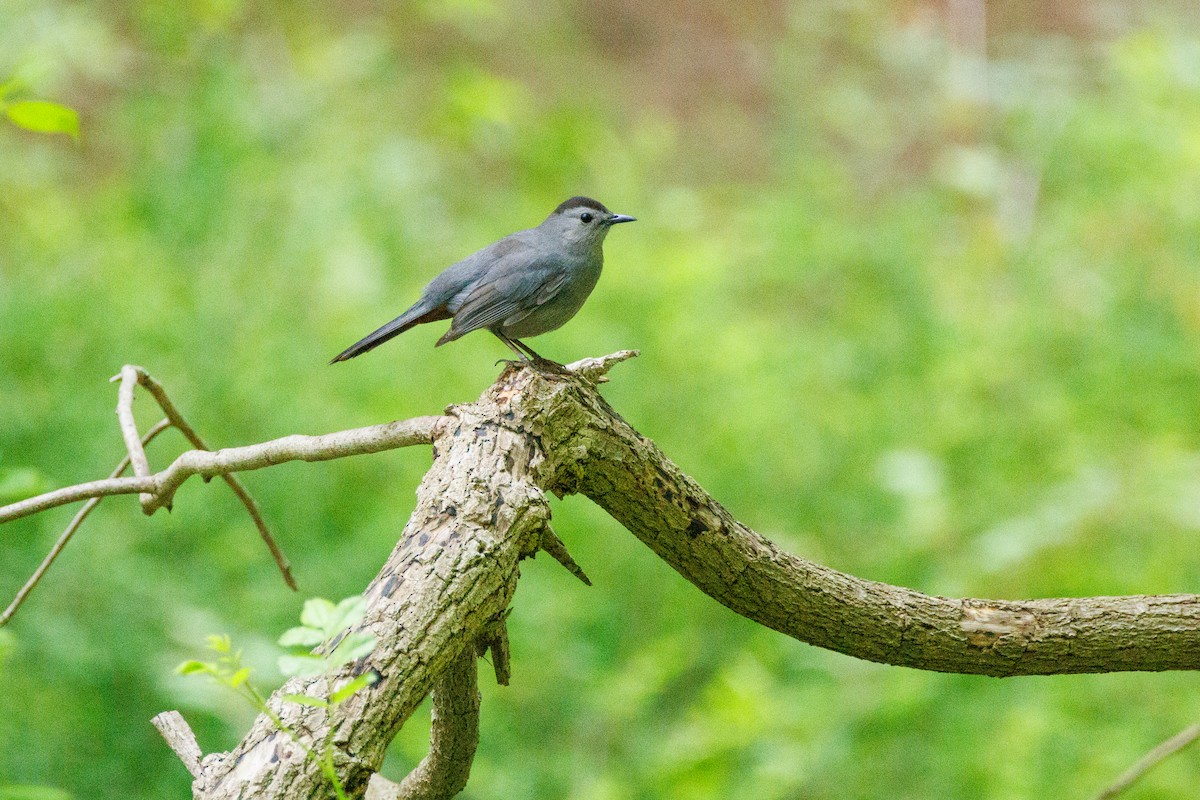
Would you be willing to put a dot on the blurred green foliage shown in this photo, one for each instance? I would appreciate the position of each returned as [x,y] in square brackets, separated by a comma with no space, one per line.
[917,292]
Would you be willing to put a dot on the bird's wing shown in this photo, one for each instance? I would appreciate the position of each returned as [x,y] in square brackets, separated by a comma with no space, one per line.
[512,288]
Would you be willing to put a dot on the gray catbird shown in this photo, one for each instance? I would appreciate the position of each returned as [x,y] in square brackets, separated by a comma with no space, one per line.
[526,284]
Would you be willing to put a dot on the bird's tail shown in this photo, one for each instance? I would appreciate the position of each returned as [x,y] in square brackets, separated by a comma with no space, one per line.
[416,315]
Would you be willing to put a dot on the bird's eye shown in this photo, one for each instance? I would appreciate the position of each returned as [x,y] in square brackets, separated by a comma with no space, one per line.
[585,217]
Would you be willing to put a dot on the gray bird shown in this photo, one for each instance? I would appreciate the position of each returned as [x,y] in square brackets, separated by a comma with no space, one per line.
[526,284]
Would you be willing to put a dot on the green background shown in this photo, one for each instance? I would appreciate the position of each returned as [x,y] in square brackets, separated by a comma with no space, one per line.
[917,292]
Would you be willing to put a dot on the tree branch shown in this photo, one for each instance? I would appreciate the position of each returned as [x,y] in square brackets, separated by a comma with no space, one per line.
[593,451]
[453,737]
[163,485]
[133,374]
[450,577]
[179,736]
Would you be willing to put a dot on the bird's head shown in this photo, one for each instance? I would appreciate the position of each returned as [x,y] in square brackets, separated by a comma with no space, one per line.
[582,223]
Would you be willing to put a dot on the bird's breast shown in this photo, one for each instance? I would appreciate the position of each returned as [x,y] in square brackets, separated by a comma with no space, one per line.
[558,309]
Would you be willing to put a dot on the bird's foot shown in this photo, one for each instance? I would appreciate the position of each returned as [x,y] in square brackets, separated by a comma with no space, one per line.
[542,366]
[548,367]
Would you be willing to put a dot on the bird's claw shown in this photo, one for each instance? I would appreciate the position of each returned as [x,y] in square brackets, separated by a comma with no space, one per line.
[546,365]
[541,365]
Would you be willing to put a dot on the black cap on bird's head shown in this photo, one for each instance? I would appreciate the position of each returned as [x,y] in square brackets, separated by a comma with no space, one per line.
[588,210]
[579,201]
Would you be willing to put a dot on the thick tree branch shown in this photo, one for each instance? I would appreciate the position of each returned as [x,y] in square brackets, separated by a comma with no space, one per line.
[598,454]
[449,579]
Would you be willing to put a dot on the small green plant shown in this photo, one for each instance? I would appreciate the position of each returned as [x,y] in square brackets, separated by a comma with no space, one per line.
[320,621]
[40,116]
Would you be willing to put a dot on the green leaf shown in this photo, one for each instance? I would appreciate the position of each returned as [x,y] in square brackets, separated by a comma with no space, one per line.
[306,700]
[317,613]
[301,666]
[349,611]
[353,647]
[353,687]
[43,116]
[239,677]
[219,643]
[302,636]
[196,667]
[9,86]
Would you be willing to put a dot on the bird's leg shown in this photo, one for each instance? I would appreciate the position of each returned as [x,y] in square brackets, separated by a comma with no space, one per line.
[539,361]
[524,359]
[529,350]
[528,355]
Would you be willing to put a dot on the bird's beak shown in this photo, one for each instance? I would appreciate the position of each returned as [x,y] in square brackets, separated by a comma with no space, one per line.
[616,218]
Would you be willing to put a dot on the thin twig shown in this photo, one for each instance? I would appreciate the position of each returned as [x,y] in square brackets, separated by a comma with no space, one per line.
[73,494]
[1150,760]
[355,441]
[71,528]
[129,431]
[129,373]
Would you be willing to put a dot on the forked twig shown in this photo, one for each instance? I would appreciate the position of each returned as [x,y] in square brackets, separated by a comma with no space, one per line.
[132,375]
[66,535]
[209,464]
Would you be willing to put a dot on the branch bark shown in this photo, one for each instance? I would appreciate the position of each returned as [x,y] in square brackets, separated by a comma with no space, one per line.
[451,577]
[453,737]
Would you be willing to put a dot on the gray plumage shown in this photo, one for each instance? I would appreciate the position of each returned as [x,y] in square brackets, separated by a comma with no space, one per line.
[524,285]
